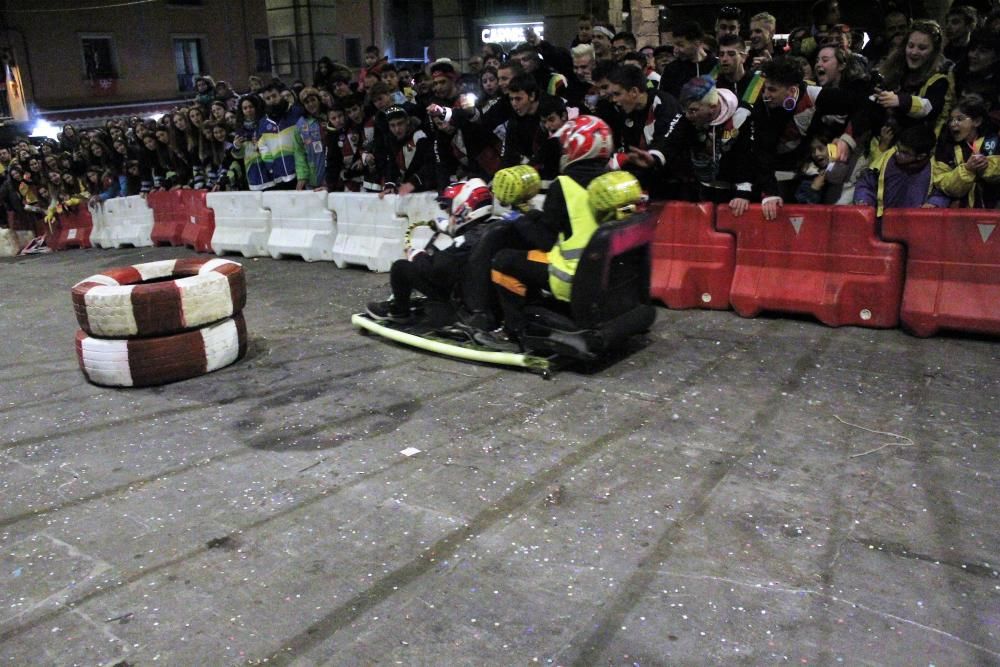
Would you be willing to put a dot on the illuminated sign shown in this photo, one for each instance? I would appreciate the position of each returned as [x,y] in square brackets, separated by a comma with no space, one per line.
[509,33]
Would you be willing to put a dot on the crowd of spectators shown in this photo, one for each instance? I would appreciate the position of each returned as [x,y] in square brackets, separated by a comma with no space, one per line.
[725,114]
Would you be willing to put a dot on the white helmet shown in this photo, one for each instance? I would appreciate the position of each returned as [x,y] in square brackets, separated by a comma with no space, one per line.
[470,201]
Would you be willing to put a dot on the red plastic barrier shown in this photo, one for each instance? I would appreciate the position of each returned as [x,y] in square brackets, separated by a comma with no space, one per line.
[826,261]
[952,268]
[200,224]
[71,229]
[693,263]
[169,217]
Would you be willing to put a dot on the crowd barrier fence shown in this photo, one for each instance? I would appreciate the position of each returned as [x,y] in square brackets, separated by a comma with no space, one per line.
[929,269]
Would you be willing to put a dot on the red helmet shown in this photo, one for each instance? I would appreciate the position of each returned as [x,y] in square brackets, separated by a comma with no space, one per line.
[585,138]
[470,201]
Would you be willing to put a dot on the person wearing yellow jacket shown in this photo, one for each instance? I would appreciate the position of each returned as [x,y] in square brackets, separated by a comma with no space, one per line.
[966,165]
[520,275]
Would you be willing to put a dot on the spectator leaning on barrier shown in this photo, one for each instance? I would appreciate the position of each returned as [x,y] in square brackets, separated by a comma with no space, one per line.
[901,176]
[642,115]
[410,164]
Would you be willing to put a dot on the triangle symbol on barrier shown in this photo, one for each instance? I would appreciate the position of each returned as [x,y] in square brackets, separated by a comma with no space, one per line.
[796,223]
[986,231]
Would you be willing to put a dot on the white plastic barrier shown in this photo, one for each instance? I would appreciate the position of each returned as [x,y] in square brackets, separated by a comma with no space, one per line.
[369,232]
[242,224]
[537,202]
[99,237]
[127,221]
[418,207]
[10,244]
[301,225]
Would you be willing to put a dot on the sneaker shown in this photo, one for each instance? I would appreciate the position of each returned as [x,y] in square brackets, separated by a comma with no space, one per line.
[476,319]
[498,341]
[383,311]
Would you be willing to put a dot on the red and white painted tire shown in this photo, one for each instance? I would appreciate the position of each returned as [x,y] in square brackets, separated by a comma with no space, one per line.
[143,362]
[159,298]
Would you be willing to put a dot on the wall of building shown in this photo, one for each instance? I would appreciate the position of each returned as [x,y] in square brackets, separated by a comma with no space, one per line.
[49,49]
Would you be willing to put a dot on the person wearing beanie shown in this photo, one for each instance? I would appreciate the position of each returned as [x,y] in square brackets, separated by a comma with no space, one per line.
[711,150]
[410,164]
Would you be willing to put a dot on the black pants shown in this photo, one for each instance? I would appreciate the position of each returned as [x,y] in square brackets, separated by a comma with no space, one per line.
[518,275]
[406,276]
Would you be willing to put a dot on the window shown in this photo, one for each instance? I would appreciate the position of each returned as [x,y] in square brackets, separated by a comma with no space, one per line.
[262,49]
[98,57]
[281,56]
[188,62]
[352,51]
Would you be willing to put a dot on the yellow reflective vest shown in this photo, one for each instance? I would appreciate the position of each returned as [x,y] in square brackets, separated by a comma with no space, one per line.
[565,255]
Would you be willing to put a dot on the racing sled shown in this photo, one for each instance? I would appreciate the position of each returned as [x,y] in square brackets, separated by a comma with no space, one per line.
[609,304]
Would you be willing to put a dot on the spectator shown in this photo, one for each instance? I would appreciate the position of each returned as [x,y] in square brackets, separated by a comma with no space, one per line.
[204,88]
[642,116]
[525,134]
[917,89]
[733,74]
[548,80]
[310,154]
[901,176]
[690,59]
[226,95]
[727,22]
[712,150]
[584,30]
[410,167]
[581,91]
[490,85]
[762,27]
[622,43]
[978,74]
[959,23]
[893,33]
[601,40]
[966,165]
[373,59]
[390,77]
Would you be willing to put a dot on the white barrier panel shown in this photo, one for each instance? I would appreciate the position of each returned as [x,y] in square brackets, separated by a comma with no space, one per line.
[301,225]
[99,237]
[127,221]
[369,232]
[10,244]
[242,224]
[537,202]
[418,206]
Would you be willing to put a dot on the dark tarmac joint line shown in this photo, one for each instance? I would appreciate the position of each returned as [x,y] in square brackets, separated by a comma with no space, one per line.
[732,491]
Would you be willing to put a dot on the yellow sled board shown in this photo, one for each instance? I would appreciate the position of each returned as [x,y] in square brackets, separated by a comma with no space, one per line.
[448,348]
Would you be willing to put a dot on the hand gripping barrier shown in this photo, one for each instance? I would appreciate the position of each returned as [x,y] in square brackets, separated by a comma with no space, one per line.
[952,268]
[825,261]
[200,221]
[693,264]
[169,216]
[128,221]
[301,225]
[369,232]
[242,224]
[71,229]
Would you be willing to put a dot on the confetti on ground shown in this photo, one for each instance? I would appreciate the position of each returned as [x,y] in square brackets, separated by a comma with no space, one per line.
[410,451]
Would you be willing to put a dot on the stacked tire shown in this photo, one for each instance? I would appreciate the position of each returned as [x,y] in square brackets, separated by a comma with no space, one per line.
[159,322]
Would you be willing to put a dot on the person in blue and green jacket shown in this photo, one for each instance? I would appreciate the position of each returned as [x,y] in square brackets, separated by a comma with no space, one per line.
[277,137]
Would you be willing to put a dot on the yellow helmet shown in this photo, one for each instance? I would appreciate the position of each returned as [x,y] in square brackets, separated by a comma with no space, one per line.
[614,191]
[515,185]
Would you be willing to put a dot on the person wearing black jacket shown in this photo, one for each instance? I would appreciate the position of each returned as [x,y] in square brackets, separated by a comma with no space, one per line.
[641,116]
[712,150]
[525,134]
[409,166]
[691,59]
[436,273]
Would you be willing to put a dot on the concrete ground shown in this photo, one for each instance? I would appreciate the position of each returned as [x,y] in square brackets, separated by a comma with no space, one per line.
[721,496]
